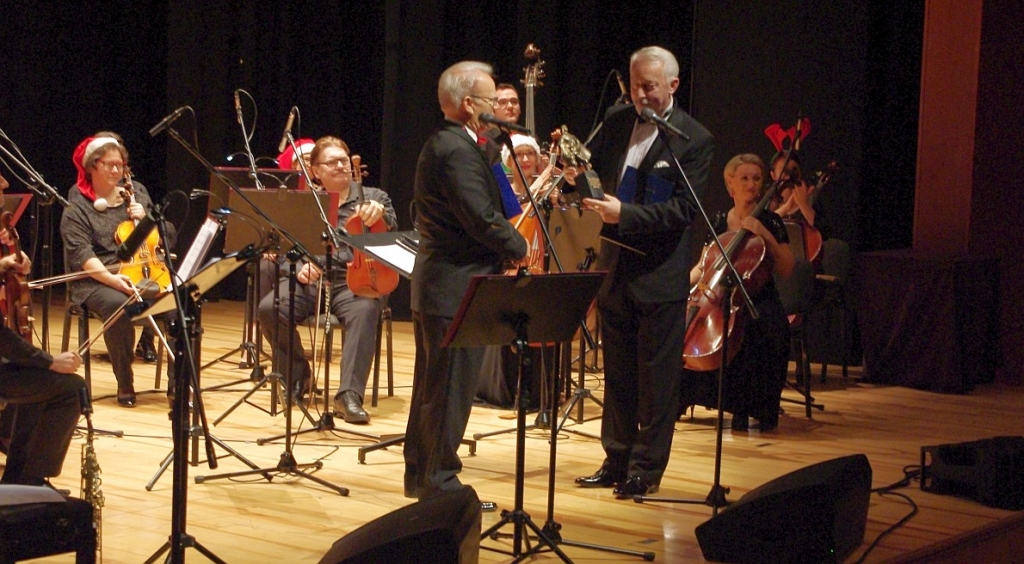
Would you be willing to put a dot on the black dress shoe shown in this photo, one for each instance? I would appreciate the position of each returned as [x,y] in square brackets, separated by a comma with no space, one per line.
[603,478]
[145,349]
[126,397]
[634,485]
[349,407]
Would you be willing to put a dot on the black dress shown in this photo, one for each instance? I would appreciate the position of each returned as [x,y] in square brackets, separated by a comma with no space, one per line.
[754,379]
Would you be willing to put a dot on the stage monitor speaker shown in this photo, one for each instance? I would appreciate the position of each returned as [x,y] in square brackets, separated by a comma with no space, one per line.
[815,514]
[443,528]
[989,471]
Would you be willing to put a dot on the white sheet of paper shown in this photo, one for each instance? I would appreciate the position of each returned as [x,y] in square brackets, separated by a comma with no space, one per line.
[395,256]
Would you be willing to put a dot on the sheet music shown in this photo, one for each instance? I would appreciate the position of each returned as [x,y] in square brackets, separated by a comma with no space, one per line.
[396,256]
[197,252]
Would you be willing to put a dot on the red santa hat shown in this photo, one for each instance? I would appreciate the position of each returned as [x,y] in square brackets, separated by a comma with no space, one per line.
[286,160]
[87,148]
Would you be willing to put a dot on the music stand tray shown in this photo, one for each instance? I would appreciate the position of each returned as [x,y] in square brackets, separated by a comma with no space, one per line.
[493,306]
[501,309]
[294,209]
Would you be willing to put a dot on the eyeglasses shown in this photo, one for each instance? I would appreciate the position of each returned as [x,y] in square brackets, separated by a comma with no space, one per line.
[492,101]
[502,102]
[111,165]
[343,162]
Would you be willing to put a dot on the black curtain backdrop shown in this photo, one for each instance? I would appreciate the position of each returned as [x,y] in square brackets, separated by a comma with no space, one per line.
[367,72]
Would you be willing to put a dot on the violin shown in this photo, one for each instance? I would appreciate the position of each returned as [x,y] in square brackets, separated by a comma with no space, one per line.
[145,268]
[811,236]
[17,299]
[705,330]
[366,276]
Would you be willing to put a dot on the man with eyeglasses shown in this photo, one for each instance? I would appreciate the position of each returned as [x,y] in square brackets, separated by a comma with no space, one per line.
[507,107]
[331,170]
[463,233]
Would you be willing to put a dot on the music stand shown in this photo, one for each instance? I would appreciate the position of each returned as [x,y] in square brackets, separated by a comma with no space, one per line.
[185,300]
[498,310]
[16,204]
[290,210]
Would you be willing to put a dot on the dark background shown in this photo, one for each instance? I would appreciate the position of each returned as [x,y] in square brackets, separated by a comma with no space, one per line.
[367,72]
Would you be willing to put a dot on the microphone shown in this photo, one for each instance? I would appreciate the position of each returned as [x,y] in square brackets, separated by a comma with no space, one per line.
[505,125]
[238,108]
[649,116]
[624,97]
[135,240]
[287,130]
[166,121]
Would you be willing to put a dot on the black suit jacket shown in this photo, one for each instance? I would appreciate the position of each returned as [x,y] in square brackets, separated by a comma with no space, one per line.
[463,231]
[659,230]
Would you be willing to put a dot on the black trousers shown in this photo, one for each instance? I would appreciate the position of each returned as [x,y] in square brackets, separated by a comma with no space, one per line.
[45,406]
[643,351]
[444,384]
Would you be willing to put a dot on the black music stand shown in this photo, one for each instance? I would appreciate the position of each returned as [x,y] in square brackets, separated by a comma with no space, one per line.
[291,210]
[185,300]
[498,310]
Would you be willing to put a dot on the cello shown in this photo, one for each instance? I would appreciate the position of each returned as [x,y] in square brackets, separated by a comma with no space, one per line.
[705,330]
[145,268]
[366,276]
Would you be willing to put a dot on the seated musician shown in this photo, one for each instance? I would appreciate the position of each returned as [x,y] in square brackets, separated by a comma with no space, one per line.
[145,348]
[755,377]
[42,393]
[796,199]
[332,171]
[528,154]
[507,107]
[98,205]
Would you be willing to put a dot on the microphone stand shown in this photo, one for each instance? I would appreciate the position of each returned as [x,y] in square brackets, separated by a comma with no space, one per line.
[46,195]
[253,173]
[716,498]
[286,464]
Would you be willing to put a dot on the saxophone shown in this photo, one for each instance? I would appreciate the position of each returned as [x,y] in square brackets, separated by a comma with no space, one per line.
[91,480]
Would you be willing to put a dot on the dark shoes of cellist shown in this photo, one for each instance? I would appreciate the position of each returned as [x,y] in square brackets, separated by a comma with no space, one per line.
[145,349]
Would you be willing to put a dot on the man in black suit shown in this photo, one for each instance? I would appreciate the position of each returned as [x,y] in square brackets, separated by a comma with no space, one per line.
[463,233]
[648,210]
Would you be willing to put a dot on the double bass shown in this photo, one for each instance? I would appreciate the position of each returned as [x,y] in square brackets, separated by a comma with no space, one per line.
[705,327]
[366,277]
[528,222]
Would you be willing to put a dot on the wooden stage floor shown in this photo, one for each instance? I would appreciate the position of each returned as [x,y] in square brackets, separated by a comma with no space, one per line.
[295,520]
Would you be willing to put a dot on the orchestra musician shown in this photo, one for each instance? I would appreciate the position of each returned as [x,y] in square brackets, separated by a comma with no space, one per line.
[756,375]
[463,232]
[98,205]
[507,108]
[643,306]
[796,198]
[145,348]
[42,393]
[331,169]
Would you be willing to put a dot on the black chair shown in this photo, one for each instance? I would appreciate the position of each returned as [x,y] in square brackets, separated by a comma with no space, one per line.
[384,331]
[84,314]
[797,296]
[833,282]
